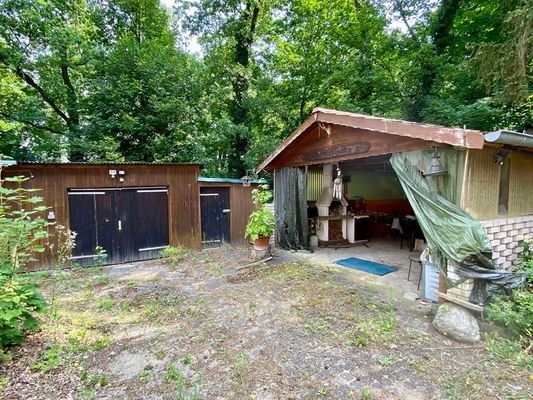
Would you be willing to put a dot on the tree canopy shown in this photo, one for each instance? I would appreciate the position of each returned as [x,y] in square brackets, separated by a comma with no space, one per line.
[112,80]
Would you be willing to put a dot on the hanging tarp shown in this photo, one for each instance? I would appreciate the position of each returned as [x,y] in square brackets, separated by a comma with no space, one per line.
[453,235]
[290,200]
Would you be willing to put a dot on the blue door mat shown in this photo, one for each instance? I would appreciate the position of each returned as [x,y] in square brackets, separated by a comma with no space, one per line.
[367,266]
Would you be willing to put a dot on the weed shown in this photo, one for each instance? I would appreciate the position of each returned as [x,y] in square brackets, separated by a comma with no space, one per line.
[366,394]
[4,381]
[320,326]
[101,256]
[241,362]
[173,255]
[379,328]
[412,362]
[105,303]
[251,307]
[217,269]
[50,359]
[90,383]
[510,350]
[98,280]
[197,308]
[145,374]
[187,359]
[5,355]
[323,392]
[83,337]
[172,374]
[385,361]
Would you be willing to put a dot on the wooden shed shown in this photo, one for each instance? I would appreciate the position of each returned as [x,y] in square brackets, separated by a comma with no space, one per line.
[225,206]
[134,210]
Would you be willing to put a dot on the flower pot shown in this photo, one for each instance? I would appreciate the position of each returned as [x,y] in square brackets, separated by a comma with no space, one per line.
[261,243]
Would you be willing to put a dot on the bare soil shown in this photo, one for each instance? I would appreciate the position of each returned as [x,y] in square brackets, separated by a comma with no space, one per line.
[202,329]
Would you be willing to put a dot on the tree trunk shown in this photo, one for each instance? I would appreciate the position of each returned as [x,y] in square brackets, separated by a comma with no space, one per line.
[238,109]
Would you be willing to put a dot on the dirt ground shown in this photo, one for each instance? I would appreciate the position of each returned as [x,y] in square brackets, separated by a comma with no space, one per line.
[202,329]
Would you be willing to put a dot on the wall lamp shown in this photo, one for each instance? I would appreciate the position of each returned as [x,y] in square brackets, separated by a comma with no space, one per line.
[435,168]
[499,157]
[247,179]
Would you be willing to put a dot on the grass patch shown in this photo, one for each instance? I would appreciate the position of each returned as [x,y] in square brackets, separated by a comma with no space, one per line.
[511,351]
[378,329]
[105,303]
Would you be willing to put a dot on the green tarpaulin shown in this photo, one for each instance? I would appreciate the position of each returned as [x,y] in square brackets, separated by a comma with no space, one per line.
[452,234]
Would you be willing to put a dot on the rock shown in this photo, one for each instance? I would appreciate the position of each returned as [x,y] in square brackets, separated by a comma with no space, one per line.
[456,323]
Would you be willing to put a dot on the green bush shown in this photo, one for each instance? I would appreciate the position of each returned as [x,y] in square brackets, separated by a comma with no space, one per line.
[514,312]
[19,302]
[22,232]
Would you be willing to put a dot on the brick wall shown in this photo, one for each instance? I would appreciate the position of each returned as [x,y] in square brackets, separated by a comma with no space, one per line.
[504,234]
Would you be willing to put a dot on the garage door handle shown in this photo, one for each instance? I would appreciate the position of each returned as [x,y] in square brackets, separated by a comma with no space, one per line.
[226,210]
[119,225]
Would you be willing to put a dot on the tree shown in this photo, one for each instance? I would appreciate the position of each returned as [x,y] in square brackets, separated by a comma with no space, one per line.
[47,45]
[229,28]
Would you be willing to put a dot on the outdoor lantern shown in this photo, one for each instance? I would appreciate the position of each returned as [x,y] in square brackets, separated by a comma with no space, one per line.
[246,179]
[499,157]
[435,168]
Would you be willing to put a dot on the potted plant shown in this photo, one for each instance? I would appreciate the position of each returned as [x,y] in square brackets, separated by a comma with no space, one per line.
[262,222]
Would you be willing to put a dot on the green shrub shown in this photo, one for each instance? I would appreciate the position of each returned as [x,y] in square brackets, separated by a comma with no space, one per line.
[22,232]
[19,301]
[526,260]
[514,312]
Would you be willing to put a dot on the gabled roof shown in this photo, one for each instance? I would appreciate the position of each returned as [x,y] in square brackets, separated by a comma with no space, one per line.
[465,138]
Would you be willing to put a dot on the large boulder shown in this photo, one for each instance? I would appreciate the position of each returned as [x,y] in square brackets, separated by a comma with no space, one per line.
[456,323]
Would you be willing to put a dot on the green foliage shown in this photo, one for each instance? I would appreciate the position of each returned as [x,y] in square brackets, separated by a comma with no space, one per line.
[22,231]
[4,381]
[174,255]
[112,81]
[19,302]
[366,394]
[50,359]
[514,312]
[101,256]
[511,350]
[262,222]
[526,260]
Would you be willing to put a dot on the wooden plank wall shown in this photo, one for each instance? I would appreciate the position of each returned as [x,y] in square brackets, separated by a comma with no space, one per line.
[241,207]
[181,180]
[482,180]
[482,175]
[521,184]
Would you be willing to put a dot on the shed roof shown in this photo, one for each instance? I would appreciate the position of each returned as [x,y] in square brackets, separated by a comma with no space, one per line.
[418,132]
[106,163]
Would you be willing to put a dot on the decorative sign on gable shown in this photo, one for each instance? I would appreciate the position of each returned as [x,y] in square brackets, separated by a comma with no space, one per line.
[338,150]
